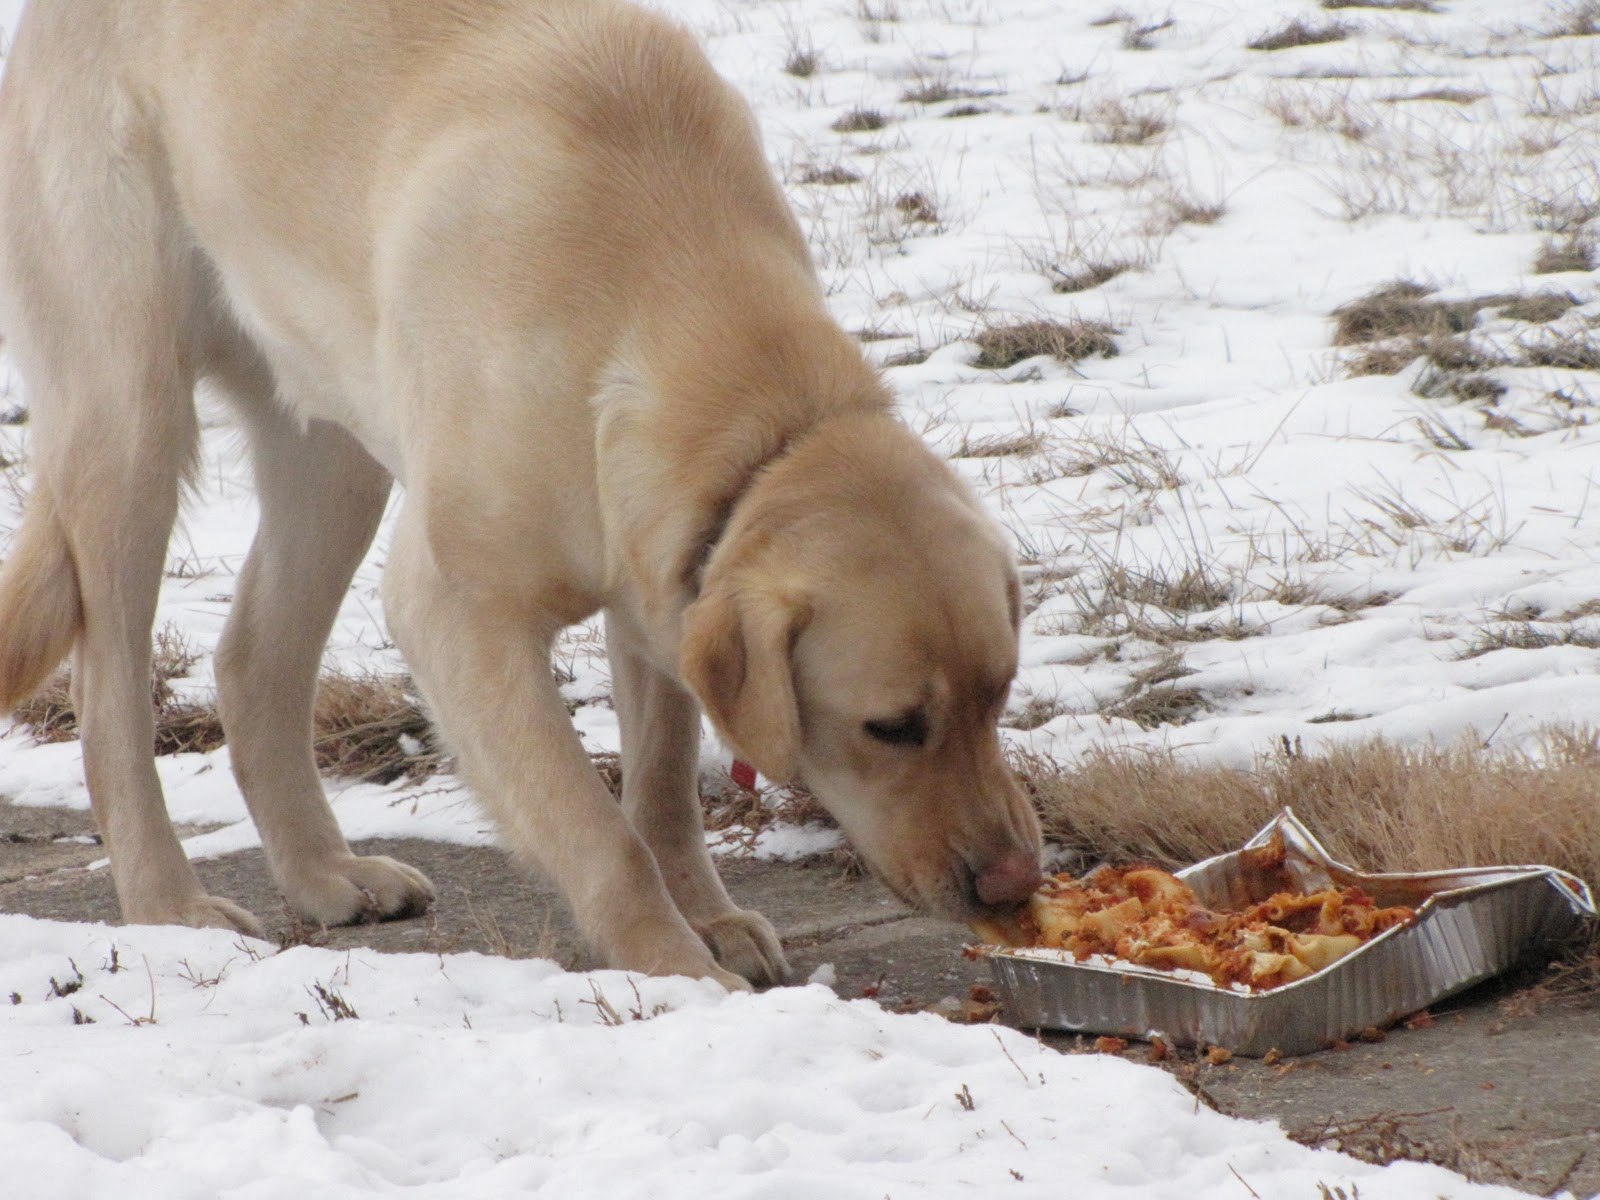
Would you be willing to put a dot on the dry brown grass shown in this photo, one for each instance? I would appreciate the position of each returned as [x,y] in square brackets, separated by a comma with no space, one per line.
[1322,110]
[740,815]
[363,723]
[1178,209]
[917,208]
[1422,6]
[802,62]
[1580,20]
[1300,33]
[1441,95]
[1381,360]
[1466,387]
[1539,309]
[1571,350]
[1142,37]
[48,712]
[1572,252]
[1000,445]
[831,175]
[1402,309]
[50,717]
[1375,805]
[1157,705]
[1123,123]
[1006,345]
[1398,324]
[1034,710]
[860,120]
[909,358]
[1091,275]
[937,89]
[1528,635]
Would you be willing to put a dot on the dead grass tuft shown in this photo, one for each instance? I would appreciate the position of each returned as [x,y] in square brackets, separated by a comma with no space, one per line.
[48,713]
[1193,589]
[740,815]
[909,358]
[1466,387]
[1572,252]
[1165,602]
[803,62]
[1092,275]
[1539,309]
[1402,309]
[1442,95]
[1182,210]
[1375,805]
[368,727]
[1445,356]
[1034,711]
[832,175]
[1000,445]
[1300,33]
[1397,324]
[1001,346]
[1576,350]
[938,89]
[1153,698]
[916,207]
[860,120]
[1123,123]
[1528,635]
[1142,37]
[1422,6]
[1581,20]
[371,727]
[1321,111]
[1381,360]
[50,716]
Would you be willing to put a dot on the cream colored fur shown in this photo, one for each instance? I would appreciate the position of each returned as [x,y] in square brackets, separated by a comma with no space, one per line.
[524,256]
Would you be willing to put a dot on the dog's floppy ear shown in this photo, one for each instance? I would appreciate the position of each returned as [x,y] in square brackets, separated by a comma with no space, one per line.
[735,658]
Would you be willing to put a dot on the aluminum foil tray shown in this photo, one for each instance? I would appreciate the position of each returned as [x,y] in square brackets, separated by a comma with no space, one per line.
[1471,924]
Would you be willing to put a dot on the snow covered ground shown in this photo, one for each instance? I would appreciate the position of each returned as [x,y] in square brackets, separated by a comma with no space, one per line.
[215,1067]
[1229,532]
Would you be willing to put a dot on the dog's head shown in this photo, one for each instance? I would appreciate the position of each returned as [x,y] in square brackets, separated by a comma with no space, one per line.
[857,631]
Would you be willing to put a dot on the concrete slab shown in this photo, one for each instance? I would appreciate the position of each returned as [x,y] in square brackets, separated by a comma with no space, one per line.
[1500,1087]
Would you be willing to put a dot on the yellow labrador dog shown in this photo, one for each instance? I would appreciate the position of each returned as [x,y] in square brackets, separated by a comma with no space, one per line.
[525,257]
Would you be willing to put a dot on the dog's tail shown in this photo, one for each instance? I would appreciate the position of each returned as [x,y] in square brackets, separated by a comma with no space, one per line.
[41,609]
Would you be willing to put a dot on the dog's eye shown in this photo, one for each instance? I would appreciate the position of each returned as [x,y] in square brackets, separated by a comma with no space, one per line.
[909,730]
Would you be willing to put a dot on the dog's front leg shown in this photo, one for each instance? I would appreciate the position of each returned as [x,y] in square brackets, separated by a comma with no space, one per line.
[660,793]
[483,664]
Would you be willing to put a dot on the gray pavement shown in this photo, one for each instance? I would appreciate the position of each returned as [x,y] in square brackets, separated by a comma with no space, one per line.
[1504,1085]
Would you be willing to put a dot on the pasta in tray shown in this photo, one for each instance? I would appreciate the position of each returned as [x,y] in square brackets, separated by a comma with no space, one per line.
[1144,915]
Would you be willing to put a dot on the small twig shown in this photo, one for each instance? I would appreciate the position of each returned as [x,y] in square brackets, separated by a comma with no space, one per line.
[1495,730]
[1001,1043]
[1024,1144]
[1247,1187]
[606,1010]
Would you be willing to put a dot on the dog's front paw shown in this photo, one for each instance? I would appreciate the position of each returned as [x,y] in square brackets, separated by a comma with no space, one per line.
[355,889]
[745,943]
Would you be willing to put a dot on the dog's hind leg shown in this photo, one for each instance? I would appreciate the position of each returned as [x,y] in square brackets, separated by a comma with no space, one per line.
[321,497]
[99,292]
[660,793]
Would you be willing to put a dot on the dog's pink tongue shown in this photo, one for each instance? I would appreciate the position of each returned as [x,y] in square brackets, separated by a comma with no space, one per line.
[1010,879]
